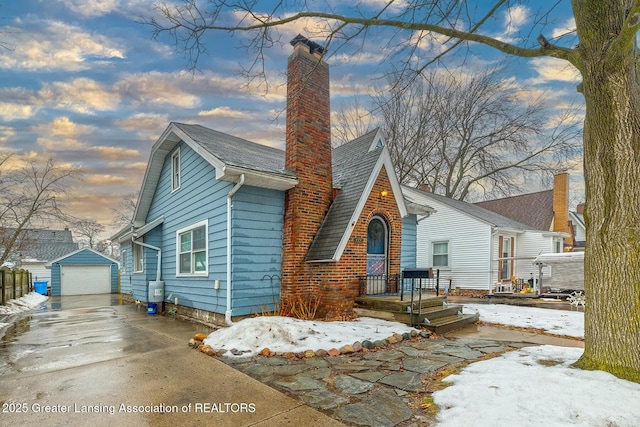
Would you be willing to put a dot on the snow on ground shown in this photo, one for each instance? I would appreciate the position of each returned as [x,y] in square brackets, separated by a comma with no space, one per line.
[283,334]
[557,322]
[535,386]
[24,303]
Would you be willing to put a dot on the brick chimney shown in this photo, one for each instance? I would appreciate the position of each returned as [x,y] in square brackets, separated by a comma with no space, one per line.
[580,208]
[308,154]
[561,205]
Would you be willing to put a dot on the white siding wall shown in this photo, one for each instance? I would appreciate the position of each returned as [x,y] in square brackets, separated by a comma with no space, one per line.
[531,244]
[469,241]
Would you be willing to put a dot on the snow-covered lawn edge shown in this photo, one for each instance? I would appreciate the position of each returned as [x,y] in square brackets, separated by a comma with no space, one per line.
[535,386]
[555,322]
[24,303]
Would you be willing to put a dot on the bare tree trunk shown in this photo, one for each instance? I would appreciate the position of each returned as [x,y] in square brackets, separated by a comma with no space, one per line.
[612,214]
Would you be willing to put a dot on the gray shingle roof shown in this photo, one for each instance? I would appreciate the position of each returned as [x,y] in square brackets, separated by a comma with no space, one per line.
[352,165]
[533,209]
[236,151]
[42,244]
[475,211]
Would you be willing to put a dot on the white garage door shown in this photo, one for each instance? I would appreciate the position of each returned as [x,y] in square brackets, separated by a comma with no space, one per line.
[85,279]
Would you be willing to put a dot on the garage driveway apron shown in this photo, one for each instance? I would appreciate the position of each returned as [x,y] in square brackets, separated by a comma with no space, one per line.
[89,360]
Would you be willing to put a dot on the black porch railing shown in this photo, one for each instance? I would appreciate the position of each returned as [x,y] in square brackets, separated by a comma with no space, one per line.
[407,283]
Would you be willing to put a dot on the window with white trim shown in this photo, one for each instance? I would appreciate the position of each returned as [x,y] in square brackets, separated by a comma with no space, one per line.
[138,257]
[192,249]
[440,254]
[175,170]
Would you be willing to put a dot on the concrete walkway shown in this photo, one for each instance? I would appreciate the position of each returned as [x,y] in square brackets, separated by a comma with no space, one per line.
[80,361]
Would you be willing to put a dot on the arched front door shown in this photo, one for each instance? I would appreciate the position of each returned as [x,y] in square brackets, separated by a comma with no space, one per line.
[377,251]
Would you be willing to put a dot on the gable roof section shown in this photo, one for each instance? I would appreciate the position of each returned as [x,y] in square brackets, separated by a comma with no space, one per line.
[356,166]
[496,220]
[533,209]
[231,156]
[82,250]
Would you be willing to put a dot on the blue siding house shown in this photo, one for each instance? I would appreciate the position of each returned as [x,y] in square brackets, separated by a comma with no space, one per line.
[215,213]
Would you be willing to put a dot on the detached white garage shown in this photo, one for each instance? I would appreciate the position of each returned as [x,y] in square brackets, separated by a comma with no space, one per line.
[84,272]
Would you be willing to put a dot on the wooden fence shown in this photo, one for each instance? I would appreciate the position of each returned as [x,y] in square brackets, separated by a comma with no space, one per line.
[14,283]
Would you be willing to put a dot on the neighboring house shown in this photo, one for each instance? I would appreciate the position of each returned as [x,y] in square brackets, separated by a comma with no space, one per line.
[542,210]
[83,272]
[235,228]
[36,247]
[475,248]
[579,227]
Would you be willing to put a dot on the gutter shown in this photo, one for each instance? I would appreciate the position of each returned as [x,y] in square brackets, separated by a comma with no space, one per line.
[227,315]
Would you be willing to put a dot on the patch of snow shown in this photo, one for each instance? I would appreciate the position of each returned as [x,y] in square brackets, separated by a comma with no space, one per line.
[557,322]
[24,303]
[283,334]
[536,386]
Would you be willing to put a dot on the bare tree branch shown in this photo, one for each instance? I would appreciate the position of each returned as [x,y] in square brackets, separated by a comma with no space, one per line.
[32,194]
[462,134]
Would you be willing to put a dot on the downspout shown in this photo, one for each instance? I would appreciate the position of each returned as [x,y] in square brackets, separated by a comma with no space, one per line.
[227,315]
[494,231]
[155,248]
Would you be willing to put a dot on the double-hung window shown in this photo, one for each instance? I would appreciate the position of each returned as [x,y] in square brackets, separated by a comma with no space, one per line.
[440,251]
[175,170]
[192,250]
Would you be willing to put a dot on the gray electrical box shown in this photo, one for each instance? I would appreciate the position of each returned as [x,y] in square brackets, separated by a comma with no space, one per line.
[156,291]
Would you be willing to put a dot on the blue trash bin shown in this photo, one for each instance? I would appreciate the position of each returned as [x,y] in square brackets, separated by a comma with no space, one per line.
[152,307]
[40,287]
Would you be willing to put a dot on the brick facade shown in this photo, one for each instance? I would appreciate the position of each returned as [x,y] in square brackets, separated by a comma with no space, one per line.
[336,283]
[308,153]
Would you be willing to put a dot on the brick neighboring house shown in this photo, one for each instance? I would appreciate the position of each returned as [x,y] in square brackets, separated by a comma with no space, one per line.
[542,210]
[233,227]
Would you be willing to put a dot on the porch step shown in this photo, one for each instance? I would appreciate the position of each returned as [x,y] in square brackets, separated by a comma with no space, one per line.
[450,323]
[441,316]
[395,304]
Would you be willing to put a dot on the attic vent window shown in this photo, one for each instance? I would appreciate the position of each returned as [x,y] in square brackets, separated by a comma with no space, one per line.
[175,170]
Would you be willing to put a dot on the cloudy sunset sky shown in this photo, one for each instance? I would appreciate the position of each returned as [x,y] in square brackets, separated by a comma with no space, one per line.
[84,82]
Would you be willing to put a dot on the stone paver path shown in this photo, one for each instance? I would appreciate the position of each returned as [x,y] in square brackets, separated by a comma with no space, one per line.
[368,388]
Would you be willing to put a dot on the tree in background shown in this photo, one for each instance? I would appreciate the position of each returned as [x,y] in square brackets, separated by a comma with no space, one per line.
[90,230]
[32,194]
[603,49]
[467,135]
[123,212]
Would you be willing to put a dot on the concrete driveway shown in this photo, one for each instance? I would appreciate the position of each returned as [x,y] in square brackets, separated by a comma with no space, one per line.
[88,360]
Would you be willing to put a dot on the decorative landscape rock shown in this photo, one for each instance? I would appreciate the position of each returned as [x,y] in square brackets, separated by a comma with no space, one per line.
[367,344]
[379,344]
[200,337]
[265,352]
[346,349]
[334,352]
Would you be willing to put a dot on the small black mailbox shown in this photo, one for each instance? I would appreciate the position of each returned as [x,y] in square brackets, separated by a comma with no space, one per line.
[416,273]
